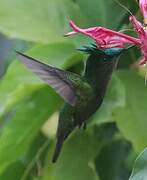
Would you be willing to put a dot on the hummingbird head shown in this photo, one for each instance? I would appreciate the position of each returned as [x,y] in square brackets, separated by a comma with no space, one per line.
[109,52]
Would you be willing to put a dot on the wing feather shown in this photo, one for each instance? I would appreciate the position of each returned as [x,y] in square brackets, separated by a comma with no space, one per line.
[54,77]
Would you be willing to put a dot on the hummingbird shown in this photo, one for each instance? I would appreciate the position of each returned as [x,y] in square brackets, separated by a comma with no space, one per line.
[83,94]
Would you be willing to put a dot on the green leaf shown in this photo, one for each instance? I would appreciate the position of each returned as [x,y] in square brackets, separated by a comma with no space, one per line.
[24,123]
[131,119]
[112,159]
[40,21]
[100,12]
[30,163]
[46,21]
[77,156]
[59,54]
[13,171]
[140,168]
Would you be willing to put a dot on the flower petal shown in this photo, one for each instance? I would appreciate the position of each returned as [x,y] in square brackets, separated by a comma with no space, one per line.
[143,7]
[142,33]
[138,26]
[142,61]
[105,38]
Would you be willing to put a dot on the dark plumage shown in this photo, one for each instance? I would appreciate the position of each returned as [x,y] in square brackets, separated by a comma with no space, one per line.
[83,95]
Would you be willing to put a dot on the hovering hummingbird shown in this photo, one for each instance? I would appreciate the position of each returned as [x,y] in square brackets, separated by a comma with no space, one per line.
[84,94]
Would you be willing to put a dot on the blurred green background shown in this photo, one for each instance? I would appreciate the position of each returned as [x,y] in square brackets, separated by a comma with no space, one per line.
[115,135]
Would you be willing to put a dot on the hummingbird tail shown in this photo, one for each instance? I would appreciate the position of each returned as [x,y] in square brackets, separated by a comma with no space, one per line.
[57,149]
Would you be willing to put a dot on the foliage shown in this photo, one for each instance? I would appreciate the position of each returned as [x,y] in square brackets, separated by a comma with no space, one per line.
[29,109]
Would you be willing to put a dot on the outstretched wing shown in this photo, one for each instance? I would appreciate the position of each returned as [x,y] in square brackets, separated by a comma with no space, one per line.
[54,77]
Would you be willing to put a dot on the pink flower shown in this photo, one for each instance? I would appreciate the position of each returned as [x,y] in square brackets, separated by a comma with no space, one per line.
[105,38]
[143,7]
[142,34]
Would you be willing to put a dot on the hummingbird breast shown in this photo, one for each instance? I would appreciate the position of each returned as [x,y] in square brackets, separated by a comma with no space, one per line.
[83,111]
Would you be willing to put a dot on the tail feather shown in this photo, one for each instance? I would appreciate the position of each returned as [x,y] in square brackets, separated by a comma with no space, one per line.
[58,148]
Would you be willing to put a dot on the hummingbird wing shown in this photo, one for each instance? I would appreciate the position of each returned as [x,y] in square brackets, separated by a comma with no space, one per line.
[56,78]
